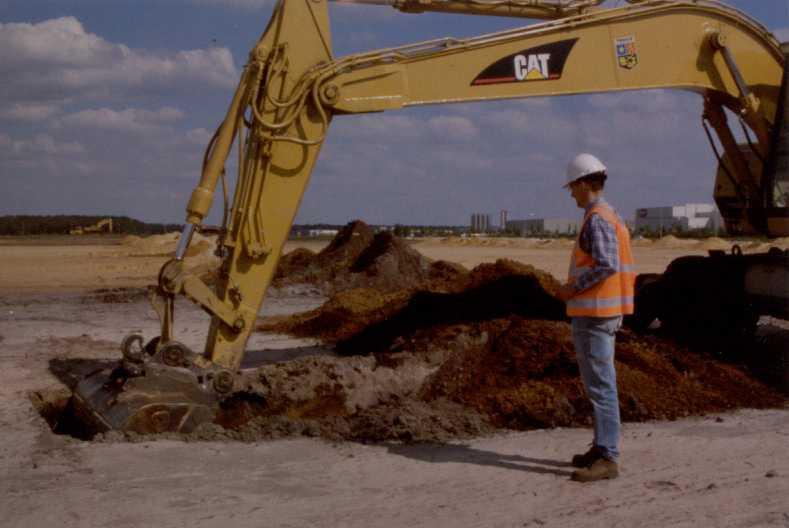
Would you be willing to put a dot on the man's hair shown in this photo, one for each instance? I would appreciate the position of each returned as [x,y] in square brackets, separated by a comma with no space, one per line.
[595,181]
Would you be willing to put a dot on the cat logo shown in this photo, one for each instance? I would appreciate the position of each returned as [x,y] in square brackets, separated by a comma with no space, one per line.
[540,63]
[532,67]
[626,55]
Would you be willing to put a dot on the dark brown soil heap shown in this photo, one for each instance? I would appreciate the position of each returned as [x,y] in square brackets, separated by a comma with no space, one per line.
[366,320]
[359,258]
[525,376]
[508,353]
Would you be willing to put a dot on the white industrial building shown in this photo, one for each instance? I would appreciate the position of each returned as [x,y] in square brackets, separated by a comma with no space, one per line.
[678,218]
[540,226]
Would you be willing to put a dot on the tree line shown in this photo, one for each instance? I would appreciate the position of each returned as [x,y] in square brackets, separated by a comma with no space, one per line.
[62,224]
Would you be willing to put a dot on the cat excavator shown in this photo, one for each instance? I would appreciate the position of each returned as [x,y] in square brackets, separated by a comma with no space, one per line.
[293,87]
[98,227]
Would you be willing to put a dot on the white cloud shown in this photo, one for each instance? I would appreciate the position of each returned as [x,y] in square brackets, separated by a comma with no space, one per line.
[58,60]
[29,112]
[350,11]
[399,128]
[39,144]
[455,128]
[129,120]
[380,128]
[198,136]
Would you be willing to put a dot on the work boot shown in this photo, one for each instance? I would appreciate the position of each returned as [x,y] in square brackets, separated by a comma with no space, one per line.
[588,458]
[601,469]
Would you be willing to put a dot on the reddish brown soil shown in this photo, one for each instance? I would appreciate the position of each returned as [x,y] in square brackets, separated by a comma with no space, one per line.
[365,320]
[508,352]
[525,376]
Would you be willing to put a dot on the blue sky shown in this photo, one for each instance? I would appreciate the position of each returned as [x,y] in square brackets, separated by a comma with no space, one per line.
[106,106]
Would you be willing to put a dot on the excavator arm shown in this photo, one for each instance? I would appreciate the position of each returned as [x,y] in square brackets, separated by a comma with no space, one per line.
[292,87]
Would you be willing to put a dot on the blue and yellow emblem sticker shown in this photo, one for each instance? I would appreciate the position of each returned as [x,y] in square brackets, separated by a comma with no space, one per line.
[626,55]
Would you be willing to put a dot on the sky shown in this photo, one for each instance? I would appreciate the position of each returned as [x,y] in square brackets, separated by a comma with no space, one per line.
[106,107]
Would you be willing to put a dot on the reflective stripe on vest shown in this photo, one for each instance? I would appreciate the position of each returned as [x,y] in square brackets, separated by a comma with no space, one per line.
[576,271]
[614,295]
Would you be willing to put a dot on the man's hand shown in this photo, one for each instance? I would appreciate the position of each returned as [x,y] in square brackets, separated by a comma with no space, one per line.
[566,292]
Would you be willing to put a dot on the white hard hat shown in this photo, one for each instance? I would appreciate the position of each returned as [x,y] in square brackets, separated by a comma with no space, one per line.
[583,165]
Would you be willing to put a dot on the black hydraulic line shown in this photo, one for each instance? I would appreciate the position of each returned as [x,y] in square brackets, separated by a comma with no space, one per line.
[721,163]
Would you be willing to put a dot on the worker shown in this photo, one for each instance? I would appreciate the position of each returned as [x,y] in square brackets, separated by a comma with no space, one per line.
[598,292]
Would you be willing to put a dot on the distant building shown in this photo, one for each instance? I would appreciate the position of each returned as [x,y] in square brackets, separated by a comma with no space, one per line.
[503,220]
[678,218]
[480,223]
[542,226]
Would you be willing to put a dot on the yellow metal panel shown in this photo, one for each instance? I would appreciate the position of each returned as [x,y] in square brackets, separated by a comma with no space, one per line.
[275,182]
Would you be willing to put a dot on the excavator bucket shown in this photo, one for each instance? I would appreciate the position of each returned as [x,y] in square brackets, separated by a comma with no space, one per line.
[155,399]
[163,386]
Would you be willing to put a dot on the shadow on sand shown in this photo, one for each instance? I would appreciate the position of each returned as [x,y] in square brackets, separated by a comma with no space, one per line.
[458,453]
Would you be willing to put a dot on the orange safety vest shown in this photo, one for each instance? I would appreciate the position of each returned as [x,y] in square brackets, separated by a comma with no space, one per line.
[614,295]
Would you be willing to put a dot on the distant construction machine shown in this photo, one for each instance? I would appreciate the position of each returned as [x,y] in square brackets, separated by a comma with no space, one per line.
[293,86]
[102,226]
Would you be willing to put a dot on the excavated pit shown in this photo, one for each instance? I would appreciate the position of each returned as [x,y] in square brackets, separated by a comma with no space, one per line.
[54,406]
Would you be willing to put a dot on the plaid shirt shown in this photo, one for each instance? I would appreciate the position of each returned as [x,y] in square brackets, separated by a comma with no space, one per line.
[598,239]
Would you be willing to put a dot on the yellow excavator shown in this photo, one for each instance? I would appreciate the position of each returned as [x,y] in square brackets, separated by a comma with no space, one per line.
[98,227]
[293,86]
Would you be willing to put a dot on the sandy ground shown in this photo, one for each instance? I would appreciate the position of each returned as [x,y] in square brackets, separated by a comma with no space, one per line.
[727,470]
[61,265]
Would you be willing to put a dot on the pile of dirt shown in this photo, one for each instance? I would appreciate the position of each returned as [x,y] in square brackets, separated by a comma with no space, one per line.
[359,258]
[407,420]
[441,352]
[366,320]
[463,380]
[525,376]
[336,398]
[499,345]
[164,245]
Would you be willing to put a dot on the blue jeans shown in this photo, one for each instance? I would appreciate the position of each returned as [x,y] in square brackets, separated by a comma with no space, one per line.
[594,339]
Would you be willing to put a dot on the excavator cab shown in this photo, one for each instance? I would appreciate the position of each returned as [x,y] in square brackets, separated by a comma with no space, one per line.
[776,175]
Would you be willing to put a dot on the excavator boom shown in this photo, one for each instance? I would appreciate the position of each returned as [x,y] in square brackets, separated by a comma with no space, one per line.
[291,89]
